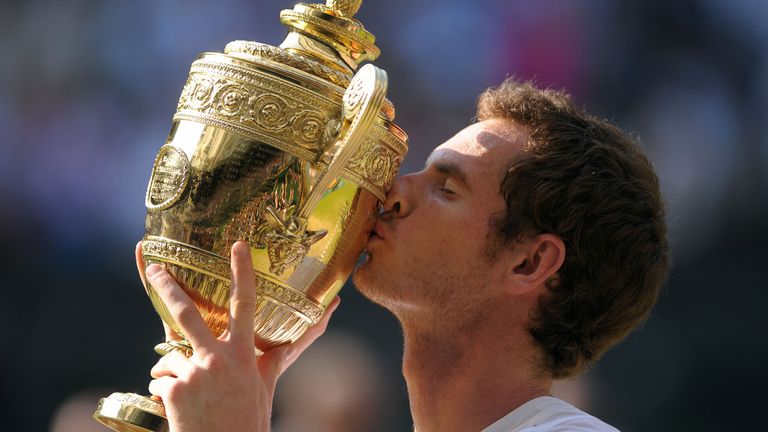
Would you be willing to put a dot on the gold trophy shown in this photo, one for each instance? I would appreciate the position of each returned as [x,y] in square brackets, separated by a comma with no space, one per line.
[284,148]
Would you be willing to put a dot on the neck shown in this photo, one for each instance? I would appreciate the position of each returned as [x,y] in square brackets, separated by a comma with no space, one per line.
[466,377]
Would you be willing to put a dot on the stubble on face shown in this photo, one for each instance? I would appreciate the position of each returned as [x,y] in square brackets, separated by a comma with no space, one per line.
[422,290]
[436,274]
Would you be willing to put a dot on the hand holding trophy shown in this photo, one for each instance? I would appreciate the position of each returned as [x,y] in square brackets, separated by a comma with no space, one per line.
[279,147]
[224,374]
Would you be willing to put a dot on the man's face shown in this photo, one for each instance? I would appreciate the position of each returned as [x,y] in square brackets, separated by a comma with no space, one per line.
[429,251]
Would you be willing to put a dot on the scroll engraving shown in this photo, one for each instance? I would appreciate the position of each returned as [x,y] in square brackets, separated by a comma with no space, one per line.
[177,252]
[286,117]
[376,164]
[275,112]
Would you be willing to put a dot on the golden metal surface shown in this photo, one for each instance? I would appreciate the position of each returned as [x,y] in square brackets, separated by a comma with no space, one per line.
[271,53]
[131,412]
[283,148]
[344,8]
[167,347]
[333,26]
[263,53]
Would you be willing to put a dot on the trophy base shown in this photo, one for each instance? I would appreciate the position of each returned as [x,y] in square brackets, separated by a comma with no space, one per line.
[129,412]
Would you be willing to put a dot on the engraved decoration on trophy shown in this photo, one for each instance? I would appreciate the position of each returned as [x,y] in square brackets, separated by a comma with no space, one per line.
[286,148]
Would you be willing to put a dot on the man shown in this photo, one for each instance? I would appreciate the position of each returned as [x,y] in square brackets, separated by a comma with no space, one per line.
[532,242]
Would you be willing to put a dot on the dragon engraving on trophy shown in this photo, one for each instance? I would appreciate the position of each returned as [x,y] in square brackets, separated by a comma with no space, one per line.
[272,221]
[285,233]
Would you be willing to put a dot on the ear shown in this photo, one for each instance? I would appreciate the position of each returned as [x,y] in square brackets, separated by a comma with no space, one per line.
[536,261]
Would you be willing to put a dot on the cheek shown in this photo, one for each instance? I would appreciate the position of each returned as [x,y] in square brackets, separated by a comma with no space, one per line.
[447,244]
[452,229]
[443,232]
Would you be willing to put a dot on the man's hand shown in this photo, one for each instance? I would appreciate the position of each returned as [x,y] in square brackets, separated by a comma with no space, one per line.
[224,385]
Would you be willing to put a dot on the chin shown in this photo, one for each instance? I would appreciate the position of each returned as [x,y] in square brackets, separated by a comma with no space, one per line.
[362,277]
[371,281]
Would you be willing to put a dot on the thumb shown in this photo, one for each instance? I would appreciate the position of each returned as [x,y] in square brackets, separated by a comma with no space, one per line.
[273,363]
[276,360]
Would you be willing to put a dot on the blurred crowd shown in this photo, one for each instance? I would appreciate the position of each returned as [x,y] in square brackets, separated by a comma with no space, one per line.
[87,92]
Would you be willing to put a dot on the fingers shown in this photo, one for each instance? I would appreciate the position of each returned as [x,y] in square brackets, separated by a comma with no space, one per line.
[172,364]
[242,300]
[273,363]
[161,386]
[140,264]
[181,307]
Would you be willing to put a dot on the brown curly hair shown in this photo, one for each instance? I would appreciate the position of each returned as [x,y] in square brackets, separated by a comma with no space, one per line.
[584,180]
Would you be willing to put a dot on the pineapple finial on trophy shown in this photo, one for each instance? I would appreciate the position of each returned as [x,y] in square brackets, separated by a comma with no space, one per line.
[344,8]
[329,34]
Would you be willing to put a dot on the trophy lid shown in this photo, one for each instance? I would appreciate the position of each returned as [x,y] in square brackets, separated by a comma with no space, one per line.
[323,40]
[331,24]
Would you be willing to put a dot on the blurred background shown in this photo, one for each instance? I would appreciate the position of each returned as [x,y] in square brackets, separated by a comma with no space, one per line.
[87,92]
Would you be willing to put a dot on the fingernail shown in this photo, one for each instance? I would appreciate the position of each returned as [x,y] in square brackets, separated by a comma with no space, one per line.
[153,270]
[240,248]
[335,304]
[288,354]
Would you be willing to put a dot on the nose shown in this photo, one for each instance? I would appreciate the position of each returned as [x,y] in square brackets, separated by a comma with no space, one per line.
[397,204]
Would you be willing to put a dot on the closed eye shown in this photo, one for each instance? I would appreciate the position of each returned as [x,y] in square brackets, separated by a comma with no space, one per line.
[448,187]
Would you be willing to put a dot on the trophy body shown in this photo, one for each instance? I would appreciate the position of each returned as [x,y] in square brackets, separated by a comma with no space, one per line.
[280,147]
[214,183]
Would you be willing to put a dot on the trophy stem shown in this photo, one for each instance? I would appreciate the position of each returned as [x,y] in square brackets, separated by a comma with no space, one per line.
[129,412]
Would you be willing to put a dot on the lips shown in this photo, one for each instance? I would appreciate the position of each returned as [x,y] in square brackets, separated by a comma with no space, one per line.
[374,236]
[379,231]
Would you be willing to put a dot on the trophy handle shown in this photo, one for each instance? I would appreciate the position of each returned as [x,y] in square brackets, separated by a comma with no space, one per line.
[361,104]
[289,240]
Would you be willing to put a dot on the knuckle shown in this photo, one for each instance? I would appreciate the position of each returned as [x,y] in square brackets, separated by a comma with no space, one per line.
[244,302]
[223,364]
[162,280]
[183,312]
[174,391]
[195,380]
[210,362]
[166,285]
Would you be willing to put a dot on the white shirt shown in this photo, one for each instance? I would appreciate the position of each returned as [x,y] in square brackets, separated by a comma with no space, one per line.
[549,414]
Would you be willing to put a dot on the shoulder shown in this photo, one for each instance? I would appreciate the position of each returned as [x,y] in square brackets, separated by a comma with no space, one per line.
[549,414]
